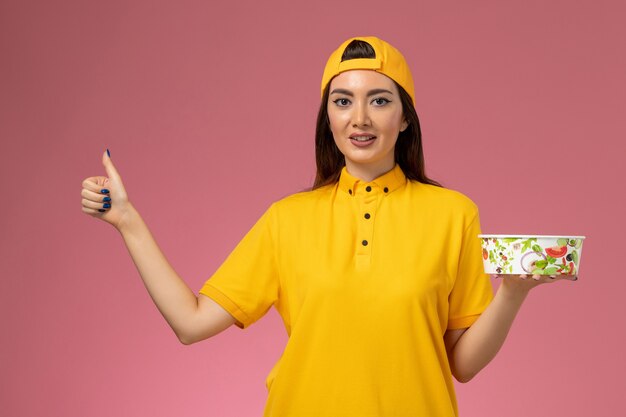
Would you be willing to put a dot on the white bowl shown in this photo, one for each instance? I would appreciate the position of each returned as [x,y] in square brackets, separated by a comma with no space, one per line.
[531,254]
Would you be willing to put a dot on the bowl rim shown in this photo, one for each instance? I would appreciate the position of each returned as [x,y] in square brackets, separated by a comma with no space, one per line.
[529,236]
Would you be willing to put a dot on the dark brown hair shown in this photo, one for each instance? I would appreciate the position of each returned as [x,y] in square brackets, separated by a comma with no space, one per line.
[408,150]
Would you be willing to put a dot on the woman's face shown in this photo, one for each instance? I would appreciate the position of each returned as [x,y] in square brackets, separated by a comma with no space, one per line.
[365,114]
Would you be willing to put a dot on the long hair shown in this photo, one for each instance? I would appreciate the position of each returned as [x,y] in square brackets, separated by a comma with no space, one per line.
[408,152]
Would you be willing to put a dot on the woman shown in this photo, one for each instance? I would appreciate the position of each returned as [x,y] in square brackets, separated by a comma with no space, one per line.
[376,271]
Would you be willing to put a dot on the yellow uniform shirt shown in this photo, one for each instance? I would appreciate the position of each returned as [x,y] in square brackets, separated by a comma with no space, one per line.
[367,277]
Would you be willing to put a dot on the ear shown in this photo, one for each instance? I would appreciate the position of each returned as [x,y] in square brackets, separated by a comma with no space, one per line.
[404,125]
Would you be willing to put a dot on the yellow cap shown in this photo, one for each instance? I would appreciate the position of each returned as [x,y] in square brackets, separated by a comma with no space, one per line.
[388,61]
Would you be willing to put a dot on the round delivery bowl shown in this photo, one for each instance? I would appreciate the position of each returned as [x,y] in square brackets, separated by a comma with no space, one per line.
[531,254]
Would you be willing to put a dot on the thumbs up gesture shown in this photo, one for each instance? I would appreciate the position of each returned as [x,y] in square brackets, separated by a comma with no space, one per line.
[105,197]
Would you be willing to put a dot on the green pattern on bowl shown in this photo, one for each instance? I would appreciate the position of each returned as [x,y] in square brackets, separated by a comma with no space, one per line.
[531,254]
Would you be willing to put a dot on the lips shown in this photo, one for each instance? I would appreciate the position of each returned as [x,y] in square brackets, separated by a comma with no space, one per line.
[362,141]
[362,137]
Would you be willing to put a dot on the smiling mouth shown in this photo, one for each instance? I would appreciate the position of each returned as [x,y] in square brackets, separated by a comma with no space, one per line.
[363,138]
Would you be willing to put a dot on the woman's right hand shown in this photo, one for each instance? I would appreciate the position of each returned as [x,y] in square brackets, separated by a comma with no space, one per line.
[96,190]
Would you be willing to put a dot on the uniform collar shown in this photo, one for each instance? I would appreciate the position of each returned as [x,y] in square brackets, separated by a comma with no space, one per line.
[385,184]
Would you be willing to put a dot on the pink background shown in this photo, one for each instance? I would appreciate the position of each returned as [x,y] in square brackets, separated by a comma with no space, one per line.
[209,109]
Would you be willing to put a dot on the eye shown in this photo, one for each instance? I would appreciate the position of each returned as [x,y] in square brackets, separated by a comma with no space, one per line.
[381,101]
[341,102]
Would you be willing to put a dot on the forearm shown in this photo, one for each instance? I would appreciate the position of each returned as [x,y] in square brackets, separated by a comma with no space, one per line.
[174,299]
[482,341]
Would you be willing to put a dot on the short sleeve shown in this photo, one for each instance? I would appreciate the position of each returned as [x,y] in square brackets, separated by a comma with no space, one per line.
[472,291]
[246,284]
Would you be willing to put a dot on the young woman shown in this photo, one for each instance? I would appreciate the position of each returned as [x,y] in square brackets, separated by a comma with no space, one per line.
[376,271]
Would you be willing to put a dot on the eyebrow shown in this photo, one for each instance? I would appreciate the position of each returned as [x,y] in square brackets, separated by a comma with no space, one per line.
[369,93]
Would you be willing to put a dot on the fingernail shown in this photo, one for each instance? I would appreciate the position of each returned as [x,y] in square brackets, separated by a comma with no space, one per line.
[108,153]
[101,210]
[107,198]
[104,191]
[106,205]
[552,276]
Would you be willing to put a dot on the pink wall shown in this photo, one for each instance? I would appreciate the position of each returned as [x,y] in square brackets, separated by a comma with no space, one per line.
[209,112]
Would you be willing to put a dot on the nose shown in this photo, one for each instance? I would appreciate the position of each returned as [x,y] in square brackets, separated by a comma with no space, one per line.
[360,115]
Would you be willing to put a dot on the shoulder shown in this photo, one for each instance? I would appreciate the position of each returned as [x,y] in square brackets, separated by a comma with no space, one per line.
[444,199]
[299,204]
[303,199]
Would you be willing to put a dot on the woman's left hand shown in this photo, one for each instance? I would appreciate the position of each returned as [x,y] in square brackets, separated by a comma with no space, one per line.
[527,282]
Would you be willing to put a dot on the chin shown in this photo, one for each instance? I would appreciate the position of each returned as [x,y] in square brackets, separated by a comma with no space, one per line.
[376,159]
